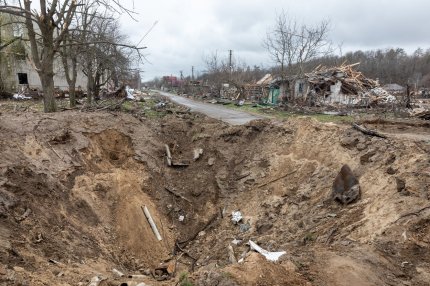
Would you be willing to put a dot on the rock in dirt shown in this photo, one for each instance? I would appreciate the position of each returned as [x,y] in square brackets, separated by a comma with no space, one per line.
[349,142]
[391,171]
[401,187]
[346,188]
[401,184]
[197,153]
[211,161]
[367,157]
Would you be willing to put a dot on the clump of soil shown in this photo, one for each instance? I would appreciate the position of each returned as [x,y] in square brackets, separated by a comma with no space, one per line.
[73,185]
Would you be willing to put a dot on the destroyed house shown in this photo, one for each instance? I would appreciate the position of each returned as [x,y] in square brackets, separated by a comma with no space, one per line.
[335,85]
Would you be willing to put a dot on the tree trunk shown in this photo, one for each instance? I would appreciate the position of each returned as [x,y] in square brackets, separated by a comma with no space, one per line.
[90,86]
[72,95]
[49,104]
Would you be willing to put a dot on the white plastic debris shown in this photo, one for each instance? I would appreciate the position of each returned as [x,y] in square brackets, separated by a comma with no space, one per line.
[129,92]
[160,105]
[236,241]
[236,217]
[181,218]
[117,272]
[271,256]
[20,96]
[95,281]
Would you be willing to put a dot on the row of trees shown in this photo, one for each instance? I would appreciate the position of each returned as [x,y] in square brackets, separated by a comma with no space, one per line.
[229,69]
[80,34]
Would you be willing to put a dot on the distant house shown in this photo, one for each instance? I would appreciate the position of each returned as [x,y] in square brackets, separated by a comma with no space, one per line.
[171,81]
[16,69]
[258,90]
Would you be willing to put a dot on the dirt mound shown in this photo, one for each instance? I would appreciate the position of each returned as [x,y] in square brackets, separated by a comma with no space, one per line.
[72,188]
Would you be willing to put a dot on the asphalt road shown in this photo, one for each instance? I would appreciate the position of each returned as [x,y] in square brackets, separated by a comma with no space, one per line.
[234,117]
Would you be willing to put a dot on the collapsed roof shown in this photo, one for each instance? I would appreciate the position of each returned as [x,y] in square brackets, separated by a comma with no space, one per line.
[353,82]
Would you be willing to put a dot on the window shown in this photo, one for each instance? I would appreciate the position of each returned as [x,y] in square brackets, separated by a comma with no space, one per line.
[22,78]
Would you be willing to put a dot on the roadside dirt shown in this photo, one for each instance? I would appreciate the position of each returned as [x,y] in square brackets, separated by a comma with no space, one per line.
[73,184]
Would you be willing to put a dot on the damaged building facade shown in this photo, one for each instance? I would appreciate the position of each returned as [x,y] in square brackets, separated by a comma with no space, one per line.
[336,85]
[17,72]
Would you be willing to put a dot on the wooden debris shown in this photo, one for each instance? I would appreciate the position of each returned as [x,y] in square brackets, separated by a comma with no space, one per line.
[56,153]
[56,262]
[368,131]
[231,256]
[174,163]
[243,176]
[177,194]
[151,222]
[277,179]
[415,213]
[24,215]
[178,247]
[205,226]
[180,163]
[353,82]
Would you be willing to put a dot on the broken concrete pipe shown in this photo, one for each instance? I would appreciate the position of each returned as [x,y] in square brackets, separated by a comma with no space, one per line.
[151,222]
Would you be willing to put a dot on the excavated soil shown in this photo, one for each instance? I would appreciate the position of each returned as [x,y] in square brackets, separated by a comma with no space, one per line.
[73,185]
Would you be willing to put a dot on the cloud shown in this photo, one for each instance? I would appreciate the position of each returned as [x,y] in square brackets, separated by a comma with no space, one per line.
[189,29]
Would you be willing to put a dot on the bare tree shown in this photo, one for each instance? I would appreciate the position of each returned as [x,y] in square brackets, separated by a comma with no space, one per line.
[106,56]
[290,44]
[44,42]
[279,42]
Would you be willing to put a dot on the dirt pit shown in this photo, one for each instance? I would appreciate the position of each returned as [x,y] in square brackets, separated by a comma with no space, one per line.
[73,186]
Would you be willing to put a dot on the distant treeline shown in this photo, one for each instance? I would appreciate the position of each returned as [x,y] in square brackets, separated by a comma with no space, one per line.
[389,66]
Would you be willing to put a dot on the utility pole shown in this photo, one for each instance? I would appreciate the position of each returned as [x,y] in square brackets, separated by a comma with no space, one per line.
[230,64]
[192,72]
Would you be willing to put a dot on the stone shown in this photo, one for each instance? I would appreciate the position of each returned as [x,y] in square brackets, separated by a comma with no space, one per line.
[349,142]
[391,171]
[211,161]
[345,188]
[361,146]
[401,184]
[366,158]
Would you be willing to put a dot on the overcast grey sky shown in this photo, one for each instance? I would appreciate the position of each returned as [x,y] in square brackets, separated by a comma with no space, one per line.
[189,29]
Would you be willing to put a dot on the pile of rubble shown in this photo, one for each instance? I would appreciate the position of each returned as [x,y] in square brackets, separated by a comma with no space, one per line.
[365,91]
[353,82]
[379,95]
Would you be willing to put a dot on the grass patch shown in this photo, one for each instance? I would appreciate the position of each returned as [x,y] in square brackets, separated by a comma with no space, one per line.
[184,280]
[273,112]
[332,118]
[263,110]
